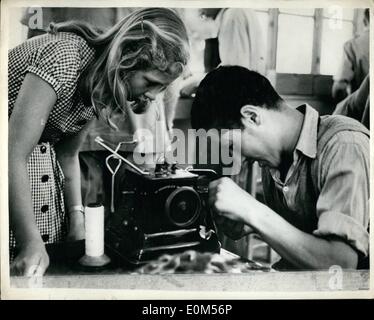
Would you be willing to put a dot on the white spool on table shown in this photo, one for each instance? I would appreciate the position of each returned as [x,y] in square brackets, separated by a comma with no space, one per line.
[94,242]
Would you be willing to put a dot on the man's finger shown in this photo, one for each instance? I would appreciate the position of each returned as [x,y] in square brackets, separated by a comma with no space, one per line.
[213,184]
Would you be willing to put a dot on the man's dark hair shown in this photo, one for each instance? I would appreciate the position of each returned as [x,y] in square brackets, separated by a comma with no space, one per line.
[224,91]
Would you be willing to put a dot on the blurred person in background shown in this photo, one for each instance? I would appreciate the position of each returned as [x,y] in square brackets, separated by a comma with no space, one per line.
[232,36]
[357,104]
[239,39]
[355,63]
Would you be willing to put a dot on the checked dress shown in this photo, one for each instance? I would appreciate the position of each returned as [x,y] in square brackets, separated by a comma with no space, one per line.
[59,59]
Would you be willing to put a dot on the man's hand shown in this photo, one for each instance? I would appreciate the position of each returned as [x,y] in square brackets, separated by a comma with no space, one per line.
[231,201]
[32,260]
[233,229]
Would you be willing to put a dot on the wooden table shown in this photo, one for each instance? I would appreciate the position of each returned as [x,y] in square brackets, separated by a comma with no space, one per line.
[254,282]
[300,281]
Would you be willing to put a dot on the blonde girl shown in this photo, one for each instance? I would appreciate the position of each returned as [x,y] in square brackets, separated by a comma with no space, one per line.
[57,83]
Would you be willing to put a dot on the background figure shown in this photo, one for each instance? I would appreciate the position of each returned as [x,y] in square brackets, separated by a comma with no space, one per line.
[355,63]
[234,37]
[357,105]
[239,39]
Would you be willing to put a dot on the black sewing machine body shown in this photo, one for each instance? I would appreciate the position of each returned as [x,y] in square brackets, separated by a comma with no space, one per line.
[164,211]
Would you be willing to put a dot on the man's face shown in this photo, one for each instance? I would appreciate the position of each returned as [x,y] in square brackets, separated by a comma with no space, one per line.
[145,86]
[256,142]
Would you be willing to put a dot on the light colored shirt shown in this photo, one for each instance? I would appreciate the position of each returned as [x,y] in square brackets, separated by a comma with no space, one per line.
[240,39]
[357,104]
[340,207]
[355,63]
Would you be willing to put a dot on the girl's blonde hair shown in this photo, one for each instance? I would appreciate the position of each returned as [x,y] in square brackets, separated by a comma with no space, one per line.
[145,39]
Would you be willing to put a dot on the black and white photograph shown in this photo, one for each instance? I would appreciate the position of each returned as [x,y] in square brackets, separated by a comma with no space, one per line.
[185,149]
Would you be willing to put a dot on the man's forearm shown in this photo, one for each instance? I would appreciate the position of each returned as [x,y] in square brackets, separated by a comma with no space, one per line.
[304,250]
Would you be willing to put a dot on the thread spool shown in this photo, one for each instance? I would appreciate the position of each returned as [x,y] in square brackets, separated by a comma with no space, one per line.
[94,240]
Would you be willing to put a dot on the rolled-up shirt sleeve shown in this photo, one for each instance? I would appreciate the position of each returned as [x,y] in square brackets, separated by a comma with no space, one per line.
[343,204]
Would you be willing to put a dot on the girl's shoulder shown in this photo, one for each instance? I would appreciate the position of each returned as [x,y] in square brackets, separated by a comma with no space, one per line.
[68,45]
[58,58]
[59,44]
[68,37]
[67,42]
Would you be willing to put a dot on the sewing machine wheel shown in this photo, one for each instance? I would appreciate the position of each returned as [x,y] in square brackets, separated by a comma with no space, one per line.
[183,206]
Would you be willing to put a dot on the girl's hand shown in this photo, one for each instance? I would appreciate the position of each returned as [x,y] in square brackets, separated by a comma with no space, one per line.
[32,260]
[76,226]
[231,201]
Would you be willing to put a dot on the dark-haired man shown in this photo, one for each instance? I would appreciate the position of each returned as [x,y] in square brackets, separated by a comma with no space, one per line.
[315,171]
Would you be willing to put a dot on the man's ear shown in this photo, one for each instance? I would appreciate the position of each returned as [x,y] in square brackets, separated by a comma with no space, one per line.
[250,115]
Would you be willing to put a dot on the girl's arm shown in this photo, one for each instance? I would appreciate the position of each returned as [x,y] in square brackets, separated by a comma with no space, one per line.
[67,154]
[26,124]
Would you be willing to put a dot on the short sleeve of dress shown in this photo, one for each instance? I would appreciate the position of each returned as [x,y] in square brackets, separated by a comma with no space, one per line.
[56,62]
